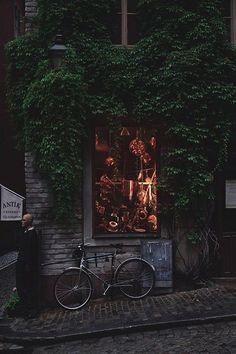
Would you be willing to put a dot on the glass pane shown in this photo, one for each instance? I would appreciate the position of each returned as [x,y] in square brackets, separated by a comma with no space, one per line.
[125,180]
[116,30]
[226,14]
[118,6]
[225,8]
[132,29]
[228,27]
[131,5]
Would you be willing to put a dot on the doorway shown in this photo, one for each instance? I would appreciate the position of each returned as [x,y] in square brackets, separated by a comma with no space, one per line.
[226,218]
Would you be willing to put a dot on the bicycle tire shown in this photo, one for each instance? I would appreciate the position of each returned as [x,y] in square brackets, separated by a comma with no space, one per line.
[73,289]
[136,278]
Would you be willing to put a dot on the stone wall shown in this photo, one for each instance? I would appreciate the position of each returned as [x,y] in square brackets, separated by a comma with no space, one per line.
[58,240]
[30,13]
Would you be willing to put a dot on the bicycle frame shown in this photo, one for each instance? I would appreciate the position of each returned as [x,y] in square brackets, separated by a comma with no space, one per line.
[106,283]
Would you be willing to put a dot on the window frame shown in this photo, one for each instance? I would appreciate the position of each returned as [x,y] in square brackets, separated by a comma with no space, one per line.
[233,21]
[89,197]
[124,25]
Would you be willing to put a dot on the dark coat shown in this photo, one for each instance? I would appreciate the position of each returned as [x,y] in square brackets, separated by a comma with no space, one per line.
[27,270]
[28,250]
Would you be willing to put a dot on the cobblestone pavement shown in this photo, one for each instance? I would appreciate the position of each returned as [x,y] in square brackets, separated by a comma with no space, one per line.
[101,317]
[8,259]
[104,315]
[7,277]
[7,282]
[218,338]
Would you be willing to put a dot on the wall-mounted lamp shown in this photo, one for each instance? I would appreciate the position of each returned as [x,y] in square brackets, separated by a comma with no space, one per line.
[57,51]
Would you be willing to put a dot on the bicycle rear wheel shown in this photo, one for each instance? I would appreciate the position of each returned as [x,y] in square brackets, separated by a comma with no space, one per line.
[73,289]
[135,278]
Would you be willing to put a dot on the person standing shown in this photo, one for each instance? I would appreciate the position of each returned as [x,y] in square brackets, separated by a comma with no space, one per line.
[27,269]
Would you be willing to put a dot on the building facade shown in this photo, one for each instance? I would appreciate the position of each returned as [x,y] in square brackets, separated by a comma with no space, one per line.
[118,201]
[11,159]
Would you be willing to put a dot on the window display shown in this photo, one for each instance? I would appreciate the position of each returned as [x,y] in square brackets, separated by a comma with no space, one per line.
[125,180]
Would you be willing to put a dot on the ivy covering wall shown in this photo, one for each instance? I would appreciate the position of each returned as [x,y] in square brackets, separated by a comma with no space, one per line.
[180,77]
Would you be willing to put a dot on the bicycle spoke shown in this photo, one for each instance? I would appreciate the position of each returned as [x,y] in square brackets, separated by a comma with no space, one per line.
[63,295]
[72,289]
[135,278]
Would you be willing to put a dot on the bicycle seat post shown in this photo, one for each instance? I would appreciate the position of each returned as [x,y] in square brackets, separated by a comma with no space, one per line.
[79,253]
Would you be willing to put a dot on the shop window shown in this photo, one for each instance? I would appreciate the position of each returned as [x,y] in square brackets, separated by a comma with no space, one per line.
[124,24]
[125,191]
[229,14]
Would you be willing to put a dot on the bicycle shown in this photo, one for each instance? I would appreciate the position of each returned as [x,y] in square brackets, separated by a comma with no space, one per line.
[73,288]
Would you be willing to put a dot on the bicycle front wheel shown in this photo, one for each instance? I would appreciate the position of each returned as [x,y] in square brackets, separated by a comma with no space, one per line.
[135,278]
[73,289]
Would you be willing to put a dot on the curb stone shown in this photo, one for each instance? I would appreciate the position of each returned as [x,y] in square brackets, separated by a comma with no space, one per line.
[102,318]
[30,339]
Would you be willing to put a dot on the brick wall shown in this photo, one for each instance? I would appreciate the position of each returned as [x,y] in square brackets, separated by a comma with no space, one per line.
[30,13]
[58,240]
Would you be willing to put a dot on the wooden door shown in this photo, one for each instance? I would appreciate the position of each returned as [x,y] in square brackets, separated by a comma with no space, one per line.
[226,219]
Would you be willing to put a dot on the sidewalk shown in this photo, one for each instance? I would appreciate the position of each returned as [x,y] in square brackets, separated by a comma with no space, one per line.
[109,317]
[8,259]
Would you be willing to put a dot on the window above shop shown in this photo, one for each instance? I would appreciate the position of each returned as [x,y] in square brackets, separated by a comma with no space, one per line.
[125,24]
[125,171]
[229,14]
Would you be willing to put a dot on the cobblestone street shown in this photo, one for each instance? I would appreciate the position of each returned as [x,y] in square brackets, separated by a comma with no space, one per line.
[58,327]
[7,259]
[216,338]
[7,282]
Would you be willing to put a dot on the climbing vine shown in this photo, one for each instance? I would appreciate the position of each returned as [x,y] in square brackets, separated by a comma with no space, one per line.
[179,77]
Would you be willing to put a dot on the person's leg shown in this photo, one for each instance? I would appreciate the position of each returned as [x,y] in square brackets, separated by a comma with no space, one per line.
[20,287]
[31,296]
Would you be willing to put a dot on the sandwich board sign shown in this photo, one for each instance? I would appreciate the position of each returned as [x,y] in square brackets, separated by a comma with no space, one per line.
[11,205]
[159,254]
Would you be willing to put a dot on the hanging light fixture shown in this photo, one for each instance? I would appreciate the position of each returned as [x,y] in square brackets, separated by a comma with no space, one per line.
[57,51]
[124,132]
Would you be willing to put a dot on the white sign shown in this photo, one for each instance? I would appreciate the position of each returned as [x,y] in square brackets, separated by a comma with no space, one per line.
[230,194]
[11,205]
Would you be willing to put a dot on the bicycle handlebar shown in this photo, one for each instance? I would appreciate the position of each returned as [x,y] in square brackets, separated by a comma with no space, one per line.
[81,248]
[114,245]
